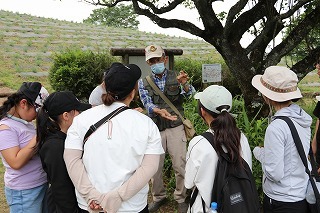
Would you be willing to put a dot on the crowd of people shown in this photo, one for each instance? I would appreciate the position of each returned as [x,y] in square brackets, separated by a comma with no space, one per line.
[102,156]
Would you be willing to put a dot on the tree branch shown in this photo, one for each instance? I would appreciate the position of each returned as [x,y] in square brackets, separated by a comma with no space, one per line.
[295,36]
[234,10]
[293,9]
[170,6]
[306,65]
[272,28]
[247,19]
[167,23]
[211,23]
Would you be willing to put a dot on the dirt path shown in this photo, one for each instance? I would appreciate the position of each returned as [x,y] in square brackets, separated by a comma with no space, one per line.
[4,93]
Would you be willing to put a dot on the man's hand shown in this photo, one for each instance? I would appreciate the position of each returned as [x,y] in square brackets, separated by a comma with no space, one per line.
[165,114]
[183,77]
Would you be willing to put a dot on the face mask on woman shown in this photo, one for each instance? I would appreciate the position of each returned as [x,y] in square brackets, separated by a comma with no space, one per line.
[157,68]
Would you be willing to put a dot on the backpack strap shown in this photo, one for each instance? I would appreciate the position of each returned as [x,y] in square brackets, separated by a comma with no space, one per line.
[303,157]
[193,198]
[214,194]
[209,137]
[95,126]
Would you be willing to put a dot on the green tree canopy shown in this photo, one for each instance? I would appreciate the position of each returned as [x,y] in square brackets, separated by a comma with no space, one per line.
[118,16]
[309,43]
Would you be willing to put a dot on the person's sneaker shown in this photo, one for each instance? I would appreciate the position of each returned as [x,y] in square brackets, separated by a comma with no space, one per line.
[154,206]
[183,207]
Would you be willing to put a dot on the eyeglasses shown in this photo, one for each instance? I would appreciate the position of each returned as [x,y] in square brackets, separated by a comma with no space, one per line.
[35,105]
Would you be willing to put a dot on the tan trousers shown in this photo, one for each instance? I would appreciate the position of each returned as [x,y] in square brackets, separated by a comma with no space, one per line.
[173,142]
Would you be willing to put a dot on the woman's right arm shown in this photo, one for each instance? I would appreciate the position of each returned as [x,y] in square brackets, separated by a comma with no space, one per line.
[15,156]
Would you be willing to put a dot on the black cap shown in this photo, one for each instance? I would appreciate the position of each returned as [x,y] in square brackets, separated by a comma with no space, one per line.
[60,102]
[121,79]
[31,90]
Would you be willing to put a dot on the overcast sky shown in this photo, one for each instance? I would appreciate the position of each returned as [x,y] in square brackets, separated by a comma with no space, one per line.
[75,10]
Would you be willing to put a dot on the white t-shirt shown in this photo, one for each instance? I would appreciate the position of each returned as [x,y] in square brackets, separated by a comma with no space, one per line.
[95,96]
[110,162]
[202,161]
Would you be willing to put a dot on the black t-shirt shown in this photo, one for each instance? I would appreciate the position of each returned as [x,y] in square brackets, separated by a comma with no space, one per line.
[316,112]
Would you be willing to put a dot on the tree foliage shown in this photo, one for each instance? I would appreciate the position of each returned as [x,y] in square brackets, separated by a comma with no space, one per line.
[78,71]
[264,18]
[118,16]
[309,42]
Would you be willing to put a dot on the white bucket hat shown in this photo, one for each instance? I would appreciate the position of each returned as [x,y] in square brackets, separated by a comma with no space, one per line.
[214,97]
[278,84]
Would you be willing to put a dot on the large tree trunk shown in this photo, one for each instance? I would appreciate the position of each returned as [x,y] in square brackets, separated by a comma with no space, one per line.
[243,70]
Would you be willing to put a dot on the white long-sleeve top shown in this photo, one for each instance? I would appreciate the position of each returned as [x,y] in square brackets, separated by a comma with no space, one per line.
[202,161]
[284,176]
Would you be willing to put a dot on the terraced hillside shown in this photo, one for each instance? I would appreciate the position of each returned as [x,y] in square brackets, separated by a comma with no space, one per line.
[27,43]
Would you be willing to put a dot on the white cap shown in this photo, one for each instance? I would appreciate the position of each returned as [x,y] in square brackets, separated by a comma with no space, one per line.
[318,98]
[214,97]
[153,51]
[43,94]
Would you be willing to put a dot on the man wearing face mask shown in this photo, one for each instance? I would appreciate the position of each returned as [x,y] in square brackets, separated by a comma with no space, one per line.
[175,87]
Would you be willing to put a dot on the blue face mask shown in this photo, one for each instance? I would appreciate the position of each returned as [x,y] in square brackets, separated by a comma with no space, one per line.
[157,68]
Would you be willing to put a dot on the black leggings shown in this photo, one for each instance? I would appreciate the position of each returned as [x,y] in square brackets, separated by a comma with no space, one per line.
[274,206]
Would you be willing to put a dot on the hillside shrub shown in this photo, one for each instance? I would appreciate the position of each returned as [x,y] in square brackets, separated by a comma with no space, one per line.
[194,69]
[78,71]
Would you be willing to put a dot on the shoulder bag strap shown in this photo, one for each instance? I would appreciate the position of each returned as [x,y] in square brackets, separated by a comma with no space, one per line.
[303,157]
[95,126]
[155,87]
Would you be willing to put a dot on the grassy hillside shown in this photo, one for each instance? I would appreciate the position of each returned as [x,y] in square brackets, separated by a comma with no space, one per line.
[28,42]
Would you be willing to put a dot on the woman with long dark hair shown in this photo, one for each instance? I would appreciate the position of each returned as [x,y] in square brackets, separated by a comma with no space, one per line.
[214,105]
[53,121]
[25,180]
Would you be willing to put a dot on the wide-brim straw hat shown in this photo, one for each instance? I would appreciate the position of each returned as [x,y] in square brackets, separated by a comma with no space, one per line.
[278,84]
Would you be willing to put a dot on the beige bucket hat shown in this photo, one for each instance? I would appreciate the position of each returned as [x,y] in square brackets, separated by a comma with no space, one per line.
[278,84]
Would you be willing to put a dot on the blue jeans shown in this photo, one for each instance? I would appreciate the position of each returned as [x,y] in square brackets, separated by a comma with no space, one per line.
[28,200]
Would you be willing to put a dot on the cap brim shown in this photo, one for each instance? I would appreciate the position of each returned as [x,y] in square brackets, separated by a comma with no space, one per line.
[83,107]
[197,96]
[153,55]
[275,96]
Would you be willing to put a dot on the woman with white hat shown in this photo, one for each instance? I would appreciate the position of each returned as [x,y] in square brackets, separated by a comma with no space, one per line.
[285,180]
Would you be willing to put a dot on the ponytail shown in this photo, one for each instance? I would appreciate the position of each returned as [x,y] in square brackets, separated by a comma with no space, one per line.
[108,98]
[45,124]
[226,132]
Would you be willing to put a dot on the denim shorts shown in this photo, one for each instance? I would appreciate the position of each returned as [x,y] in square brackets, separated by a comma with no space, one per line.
[28,200]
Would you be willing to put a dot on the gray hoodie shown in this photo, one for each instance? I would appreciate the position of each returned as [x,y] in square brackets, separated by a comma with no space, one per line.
[284,176]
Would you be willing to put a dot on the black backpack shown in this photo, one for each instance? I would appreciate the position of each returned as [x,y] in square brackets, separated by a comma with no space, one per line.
[234,188]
